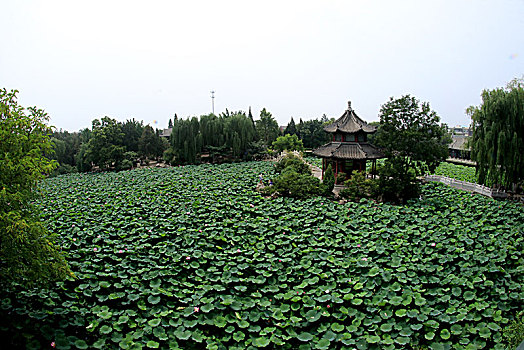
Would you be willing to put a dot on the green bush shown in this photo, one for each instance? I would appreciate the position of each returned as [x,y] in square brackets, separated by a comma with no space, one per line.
[396,184]
[292,184]
[132,157]
[64,169]
[328,182]
[126,164]
[292,161]
[169,156]
[295,179]
[514,333]
[341,177]
[358,187]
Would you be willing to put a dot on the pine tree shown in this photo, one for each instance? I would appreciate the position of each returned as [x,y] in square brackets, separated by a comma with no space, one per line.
[291,128]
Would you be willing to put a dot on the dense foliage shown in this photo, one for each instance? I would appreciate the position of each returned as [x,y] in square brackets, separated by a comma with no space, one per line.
[413,142]
[288,142]
[28,254]
[312,133]
[267,127]
[191,257]
[358,187]
[293,178]
[497,144]
[108,144]
[328,180]
[228,136]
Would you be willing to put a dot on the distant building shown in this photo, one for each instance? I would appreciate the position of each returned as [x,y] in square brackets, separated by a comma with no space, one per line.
[166,133]
[458,147]
[460,130]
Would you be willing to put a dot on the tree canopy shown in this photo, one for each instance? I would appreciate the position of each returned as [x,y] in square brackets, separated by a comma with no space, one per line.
[230,135]
[291,128]
[288,142]
[267,127]
[106,145]
[312,133]
[28,254]
[497,144]
[150,144]
[413,141]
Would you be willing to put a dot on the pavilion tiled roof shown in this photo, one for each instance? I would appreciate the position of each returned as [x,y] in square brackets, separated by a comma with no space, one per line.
[349,150]
[349,122]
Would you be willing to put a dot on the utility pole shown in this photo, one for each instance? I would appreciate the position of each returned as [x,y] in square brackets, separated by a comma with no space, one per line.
[213,101]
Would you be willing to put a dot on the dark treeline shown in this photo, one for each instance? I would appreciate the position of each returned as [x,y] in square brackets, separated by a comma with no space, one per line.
[311,132]
[230,136]
[108,144]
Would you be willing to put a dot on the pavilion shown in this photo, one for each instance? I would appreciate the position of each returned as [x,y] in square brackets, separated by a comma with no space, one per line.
[349,148]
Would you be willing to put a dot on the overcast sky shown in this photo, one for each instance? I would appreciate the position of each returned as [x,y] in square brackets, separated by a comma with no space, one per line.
[81,60]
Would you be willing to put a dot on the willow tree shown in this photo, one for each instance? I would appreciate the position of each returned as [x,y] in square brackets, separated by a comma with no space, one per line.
[497,144]
[186,140]
[240,133]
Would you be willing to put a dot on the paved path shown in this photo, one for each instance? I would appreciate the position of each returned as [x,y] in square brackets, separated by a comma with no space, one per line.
[316,171]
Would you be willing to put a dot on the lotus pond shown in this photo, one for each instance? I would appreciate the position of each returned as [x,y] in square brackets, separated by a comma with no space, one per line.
[192,258]
[456,171]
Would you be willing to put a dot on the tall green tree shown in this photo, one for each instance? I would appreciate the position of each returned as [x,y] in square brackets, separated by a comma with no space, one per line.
[289,142]
[132,130]
[83,163]
[186,140]
[150,145]
[66,146]
[291,128]
[28,254]
[106,146]
[411,137]
[267,127]
[312,133]
[497,144]
[239,133]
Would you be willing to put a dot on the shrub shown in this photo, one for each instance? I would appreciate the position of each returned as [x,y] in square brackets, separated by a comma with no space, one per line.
[295,179]
[293,184]
[132,157]
[358,187]
[396,184]
[126,164]
[64,169]
[328,182]
[169,156]
[514,333]
[341,177]
[292,161]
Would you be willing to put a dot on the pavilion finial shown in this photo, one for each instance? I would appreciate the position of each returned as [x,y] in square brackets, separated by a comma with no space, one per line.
[349,106]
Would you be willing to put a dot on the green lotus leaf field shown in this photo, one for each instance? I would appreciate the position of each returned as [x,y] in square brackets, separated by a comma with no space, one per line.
[193,258]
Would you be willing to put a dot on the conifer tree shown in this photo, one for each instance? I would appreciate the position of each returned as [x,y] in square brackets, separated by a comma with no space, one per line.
[291,128]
